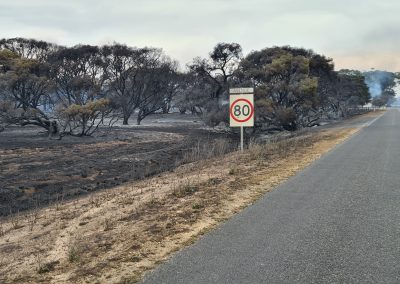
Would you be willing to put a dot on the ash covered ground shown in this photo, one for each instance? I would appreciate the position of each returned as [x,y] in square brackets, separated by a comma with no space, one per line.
[36,171]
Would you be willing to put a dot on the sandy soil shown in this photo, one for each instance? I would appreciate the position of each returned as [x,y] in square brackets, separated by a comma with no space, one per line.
[116,235]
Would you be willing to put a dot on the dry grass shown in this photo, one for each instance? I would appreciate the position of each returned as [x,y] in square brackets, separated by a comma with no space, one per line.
[116,235]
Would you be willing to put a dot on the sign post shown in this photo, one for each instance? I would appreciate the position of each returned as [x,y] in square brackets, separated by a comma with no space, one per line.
[241,109]
[241,138]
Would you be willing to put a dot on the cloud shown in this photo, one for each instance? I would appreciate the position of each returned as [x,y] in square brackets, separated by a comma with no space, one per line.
[360,32]
[365,61]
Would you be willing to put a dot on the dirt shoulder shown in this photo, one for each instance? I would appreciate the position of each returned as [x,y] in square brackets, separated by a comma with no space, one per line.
[115,236]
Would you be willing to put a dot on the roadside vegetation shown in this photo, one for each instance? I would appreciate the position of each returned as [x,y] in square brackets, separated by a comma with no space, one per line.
[75,90]
[94,199]
[115,236]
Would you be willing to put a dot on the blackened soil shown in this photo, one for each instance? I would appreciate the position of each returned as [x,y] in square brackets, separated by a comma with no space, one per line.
[36,171]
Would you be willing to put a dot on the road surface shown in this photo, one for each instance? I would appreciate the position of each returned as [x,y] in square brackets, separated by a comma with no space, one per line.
[338,221]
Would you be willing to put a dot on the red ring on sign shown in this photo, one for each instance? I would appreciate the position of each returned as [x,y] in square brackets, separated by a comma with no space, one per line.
[251,110]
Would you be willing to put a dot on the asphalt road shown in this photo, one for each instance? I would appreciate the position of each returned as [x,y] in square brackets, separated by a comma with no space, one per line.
[338,221]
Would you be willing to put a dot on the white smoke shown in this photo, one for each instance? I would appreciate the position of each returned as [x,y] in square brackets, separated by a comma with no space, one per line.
[375,88]
[375,80]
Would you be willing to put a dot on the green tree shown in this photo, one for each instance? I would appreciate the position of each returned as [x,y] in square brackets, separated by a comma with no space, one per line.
[352,90]
[29,48]
[25,88]
[80,103]
[285,91]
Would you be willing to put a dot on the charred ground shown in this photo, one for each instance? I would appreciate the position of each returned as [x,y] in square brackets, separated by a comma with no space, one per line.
[36,171]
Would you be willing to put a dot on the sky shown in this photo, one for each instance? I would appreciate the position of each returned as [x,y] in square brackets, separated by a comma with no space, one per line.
[357,34]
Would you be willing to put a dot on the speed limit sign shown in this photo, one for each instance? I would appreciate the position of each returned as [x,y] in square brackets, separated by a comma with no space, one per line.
[241,110]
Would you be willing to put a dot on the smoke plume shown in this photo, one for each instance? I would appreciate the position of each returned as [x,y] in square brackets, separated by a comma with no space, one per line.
[377,81]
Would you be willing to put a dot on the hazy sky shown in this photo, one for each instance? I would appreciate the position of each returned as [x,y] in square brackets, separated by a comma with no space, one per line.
[358,34]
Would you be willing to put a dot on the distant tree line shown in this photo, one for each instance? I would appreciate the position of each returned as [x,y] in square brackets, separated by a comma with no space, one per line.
[75,90]
[294,87]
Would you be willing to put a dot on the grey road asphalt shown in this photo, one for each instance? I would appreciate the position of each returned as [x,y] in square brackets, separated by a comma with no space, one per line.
[338,221]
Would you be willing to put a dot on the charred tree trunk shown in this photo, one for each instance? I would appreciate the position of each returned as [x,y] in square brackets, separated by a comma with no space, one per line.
[125,120]
[166,108]
[140,117]
[53,128]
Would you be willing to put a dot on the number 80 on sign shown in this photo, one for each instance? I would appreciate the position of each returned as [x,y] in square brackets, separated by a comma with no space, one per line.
[241,110]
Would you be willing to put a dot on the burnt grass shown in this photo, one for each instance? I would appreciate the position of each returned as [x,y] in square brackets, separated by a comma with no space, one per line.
[36,171]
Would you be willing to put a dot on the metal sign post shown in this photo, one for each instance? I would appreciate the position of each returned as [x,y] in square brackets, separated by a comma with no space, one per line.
[241,138]
[241,109]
